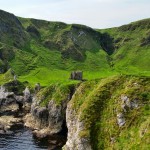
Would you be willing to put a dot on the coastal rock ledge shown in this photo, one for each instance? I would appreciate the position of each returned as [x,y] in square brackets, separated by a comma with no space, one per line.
[75,127]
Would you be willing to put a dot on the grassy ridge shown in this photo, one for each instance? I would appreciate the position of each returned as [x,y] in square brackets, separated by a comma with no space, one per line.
[99,101]
[132,47]
[49,51]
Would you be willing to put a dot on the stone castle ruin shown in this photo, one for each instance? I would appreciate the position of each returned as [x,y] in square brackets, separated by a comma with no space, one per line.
[76,75]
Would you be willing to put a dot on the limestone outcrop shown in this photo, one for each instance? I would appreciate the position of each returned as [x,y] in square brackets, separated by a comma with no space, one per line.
[12,109]
[75,126]
[48,119]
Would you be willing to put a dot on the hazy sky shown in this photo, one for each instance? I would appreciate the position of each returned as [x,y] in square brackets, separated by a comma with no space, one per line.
[94,13]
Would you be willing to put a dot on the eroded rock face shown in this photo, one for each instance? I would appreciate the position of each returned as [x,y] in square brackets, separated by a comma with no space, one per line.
[46,120]
[56,116]
[6,97]
[75,127]
[11,28]
[27,94]
[12,108]
[127,103]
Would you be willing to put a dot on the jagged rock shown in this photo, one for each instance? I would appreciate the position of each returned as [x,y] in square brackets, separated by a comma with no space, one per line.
[6,98]
[27,95]
[120,119]
[50,119]
[134,103]
[75,127]
[42,115]
[46,120]
[15,78]
[2,92]
[1,127]
[9,94]
[8,121]
[124,98]
[10,109]
[37,87]
[19,98]
[40,134]
[124,107]
[56,116]
[127,103]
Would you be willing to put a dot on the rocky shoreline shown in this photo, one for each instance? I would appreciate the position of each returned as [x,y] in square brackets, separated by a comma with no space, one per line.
[12,109]
[23,111]
[70,117]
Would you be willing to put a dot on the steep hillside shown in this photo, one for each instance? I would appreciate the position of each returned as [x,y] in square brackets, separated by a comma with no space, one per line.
[11,30]
[42,51]
[109,114]
[132,46]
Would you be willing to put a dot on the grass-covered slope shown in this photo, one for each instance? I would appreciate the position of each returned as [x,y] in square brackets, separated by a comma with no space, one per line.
[98,103]
[43,51]
[132,47]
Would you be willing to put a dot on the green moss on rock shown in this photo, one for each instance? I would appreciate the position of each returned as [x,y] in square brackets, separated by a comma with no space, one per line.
[99,102]
[56,92]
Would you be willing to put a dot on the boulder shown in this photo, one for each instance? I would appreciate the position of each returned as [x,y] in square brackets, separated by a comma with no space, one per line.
[120,119]
[27,95]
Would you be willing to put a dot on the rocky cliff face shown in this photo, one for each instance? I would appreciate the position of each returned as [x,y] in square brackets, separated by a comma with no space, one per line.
[101,114]
[51,118]
[46,120]
[11,30]
[75,127]
[12,106]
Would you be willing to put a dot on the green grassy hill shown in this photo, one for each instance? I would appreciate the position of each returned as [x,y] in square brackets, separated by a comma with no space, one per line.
[97,103]
[132,47]
[42,51]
